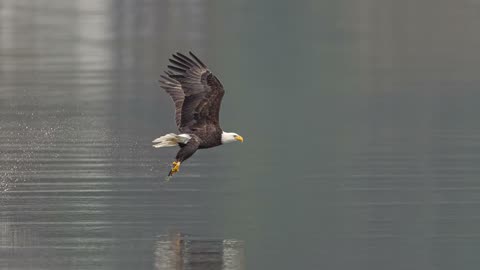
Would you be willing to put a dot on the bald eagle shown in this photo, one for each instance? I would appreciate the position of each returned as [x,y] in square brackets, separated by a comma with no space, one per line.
[197,95]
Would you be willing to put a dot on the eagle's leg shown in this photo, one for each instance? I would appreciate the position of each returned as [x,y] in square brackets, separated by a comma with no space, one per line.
[186,151]
[175,168]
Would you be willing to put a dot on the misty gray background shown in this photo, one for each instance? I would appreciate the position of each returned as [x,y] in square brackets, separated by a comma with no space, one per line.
[360,119]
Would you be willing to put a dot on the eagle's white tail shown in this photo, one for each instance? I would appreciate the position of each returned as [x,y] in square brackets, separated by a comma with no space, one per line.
[171,139]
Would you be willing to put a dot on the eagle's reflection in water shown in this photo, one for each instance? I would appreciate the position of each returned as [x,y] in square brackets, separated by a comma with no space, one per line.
[177,251]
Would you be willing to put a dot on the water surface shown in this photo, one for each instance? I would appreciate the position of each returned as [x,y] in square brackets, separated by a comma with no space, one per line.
[360,120]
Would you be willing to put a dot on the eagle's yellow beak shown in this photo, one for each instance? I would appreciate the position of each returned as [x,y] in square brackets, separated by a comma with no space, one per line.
[239,138]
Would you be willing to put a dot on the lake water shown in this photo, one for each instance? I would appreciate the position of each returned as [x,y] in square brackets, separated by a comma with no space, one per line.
[360,119]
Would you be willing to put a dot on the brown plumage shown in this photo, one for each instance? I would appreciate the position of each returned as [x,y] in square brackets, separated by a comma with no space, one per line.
[197,95]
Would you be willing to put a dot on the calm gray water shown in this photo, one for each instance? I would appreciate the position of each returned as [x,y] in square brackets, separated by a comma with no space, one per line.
[360,119]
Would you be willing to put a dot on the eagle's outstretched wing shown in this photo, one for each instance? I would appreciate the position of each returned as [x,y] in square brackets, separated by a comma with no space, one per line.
[196,92]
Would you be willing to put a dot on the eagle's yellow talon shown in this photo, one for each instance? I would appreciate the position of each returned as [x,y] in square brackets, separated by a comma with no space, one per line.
[175,167]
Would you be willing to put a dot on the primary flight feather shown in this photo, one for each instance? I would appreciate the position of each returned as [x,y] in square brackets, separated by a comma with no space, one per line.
[197,95]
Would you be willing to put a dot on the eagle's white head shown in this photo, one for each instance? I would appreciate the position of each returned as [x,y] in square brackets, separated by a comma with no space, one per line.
[228,137]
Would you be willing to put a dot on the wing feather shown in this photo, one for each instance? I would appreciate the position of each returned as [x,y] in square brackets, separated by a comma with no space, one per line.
[198,60]
[186,58]
[181,60]
[182,65]
[176,69]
